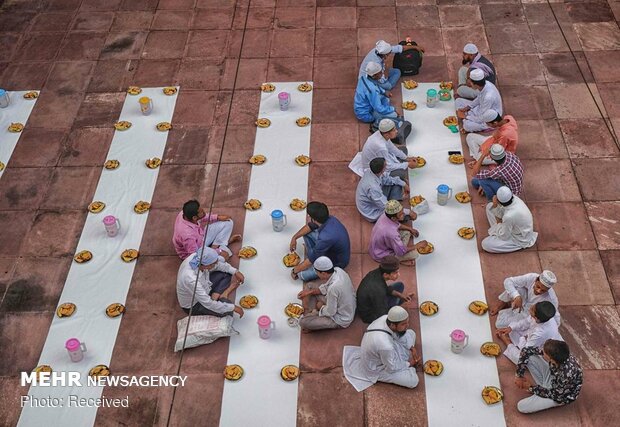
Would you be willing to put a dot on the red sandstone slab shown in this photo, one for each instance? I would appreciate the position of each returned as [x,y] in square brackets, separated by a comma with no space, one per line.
[598,35]
[70,76]
[195,108]
[137,20]
[332,184]
[527,102]
[497,267]
[415,17]
[282,69]
[157,238]
[232,182]
[321,351]
[81,46]
[562,68]
[598,178]
[459,15]
[333,106]
[142,408]
[603,217]
[53,21]
[112,76]
[336,17]
[519,69]
[199,74]
[10,399]
[611,263]
[55,111]
[100,109]
[38,148]
[295,17]
[123,45]
[26,75]
[23,188]
[239,145]
[380,410]
[588,138]
[258,17]
[30,331]
[367,38]
[155,72]
[455,38]
[376,17]
[331,72]
[171,20]
[164,44]
[550,181]
[336,42]
[291,43]
[153,284]
[93,21]
[54,233]
[212,19]
[564,96]
[562,226]
[87,147]
[548,144]
[252,73]
[91,5]
[186,146]
[334,142]
[39,46]
[178,184]
[71,188]
[512,38]
[548,37]
[15,225]
[604,65]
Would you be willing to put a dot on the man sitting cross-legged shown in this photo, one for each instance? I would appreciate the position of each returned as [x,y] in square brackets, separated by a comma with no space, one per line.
[375,189]
[330,305]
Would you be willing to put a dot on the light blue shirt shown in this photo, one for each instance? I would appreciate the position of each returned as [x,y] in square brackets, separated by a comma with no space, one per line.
[369,196]
[370,97]
[377,146]
[373,56]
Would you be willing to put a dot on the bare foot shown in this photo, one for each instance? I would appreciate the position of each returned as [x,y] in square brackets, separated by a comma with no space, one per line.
[409,263]
[500,306]
[294,275]
[235,238]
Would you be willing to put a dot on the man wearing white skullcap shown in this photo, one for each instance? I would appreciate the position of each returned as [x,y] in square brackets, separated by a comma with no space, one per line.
[387,353]
[509,172]
[472,59]
[381,52]
[371,102]
[512,224]
[199,270]
[505,135]
[521,292]
[472,111]
[330,305]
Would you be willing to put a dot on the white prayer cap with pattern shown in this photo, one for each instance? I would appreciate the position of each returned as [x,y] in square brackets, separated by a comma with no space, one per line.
[504,194]
[397,314]
[470,49]
[373,68]
[323,263]
[383,48]
[547,278]
[386,125]
[476,74]
[497,152]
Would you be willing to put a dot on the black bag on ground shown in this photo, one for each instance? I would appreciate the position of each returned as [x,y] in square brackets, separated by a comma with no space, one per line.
[403,132]
[408,62]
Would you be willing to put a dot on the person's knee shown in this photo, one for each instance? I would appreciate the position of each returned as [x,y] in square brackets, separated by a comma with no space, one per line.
[414,380]
[399,286]
[486,245]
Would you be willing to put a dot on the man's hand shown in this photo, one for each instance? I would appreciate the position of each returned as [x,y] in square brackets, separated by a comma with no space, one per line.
[406,188]
[293,245]
[319,304]
[412,162]
[240,277]
[399,113]
[304,293]
[460,114]
[495,202]
[408,297]
[522,383]
[414,360]
[517,304]
[239,311]
[223,217]
[388,93]
[414,232]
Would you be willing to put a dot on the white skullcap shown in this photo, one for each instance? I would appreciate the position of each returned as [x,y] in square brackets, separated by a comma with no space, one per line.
[547,278]
[323,263]
[470,49]
[476,74]
[504,194]
[397,314]
[489,115]
[373,68]
[497,152]
[386,125]
[383,48]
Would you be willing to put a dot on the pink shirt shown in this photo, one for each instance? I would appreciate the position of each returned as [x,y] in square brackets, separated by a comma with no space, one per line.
[385,239]
[506,136]
[188,236]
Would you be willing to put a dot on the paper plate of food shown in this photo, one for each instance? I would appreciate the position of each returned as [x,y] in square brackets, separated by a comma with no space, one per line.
[409,105]
[267,87]
[456,159]
[421,162]
[257,159]
[111,164]
[247,252]
[115,310]
[42,368]
[2,166]
[153,162]
[303,160]
[294,310]
[434,368]
[416,200]
[65,309]
[252,204]
[429,248]
[289,373]
[304,87]
[141,207]
[248,301]
[33,94]
[492,395]
[99,371]
[298,204]
[445,85]
[490,349]
[451,121]
[15,127]
[410,84]
[429,308]
[122,125]
[263,123]
[478,307]
[96,207]
[444,95]
[134,90]
[83,256]
[303,121]
[130,255]
[291,259]
[164,126]
[463,197]
[233,372]
[169,90]
[467,233]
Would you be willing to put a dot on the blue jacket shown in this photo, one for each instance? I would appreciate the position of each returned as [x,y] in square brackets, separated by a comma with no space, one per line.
[370,97]
[333,242]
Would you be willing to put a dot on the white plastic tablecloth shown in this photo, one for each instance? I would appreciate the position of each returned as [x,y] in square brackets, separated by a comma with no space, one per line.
[261,398]
[105,279]
[451,276]
[18,111]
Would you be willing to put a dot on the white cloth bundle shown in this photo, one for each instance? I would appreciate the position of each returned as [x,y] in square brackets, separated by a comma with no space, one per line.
[203,330]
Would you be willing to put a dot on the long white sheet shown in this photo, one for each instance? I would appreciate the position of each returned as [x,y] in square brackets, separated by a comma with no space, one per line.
[18,111]
[106,278]
[261,398]
[451,276]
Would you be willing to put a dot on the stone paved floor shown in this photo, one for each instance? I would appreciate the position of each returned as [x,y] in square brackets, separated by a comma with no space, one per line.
[82,54]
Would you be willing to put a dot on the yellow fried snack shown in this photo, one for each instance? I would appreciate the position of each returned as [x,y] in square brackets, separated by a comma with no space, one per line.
[134,90]
[450,121]
[490,349]
[445,85]
[2,166]
[66,309]
[163,126]
[267,87]
[433,368]
[298,204]
[293,310]
[129,255]
[291,260]
[42,368]
[153,162]
[303,121]
[421,161]
[248,301]
[491,395]
[115,309]
[416,200]
[426,249]
[15,127]
[257,159]
[467,232]
[252,204]
[463,197]
[31,95]
[456,159]
[111,164]
[429,308]
[141,207]
[478,307]
[99,371]
[409,105]
[410,84]
[233,372]
[289,373]
[169,90]
[122,125]
[83,256]
[303,160]
[304,87]
[247,252]
[96,207]
[263,123]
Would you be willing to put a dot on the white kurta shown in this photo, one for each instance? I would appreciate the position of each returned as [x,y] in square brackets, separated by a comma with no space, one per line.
[186,279]
[528,333]
[382,357]
[340,298]
[377,146]
[516,231]
[523,286]
[488,99]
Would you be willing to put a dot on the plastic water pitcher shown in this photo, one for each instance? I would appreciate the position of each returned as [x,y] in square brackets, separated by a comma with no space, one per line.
[278,220]
[146,105]
[459,341]
[112,225]
[443,194]
[285,100]
[4,98]
[76,349]
[265,327]
[432,98]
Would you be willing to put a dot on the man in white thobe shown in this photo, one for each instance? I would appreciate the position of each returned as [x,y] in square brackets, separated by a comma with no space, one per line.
[522,292]
[334,299]
[472,111]
[512,224]
[387,353]
[531,332]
